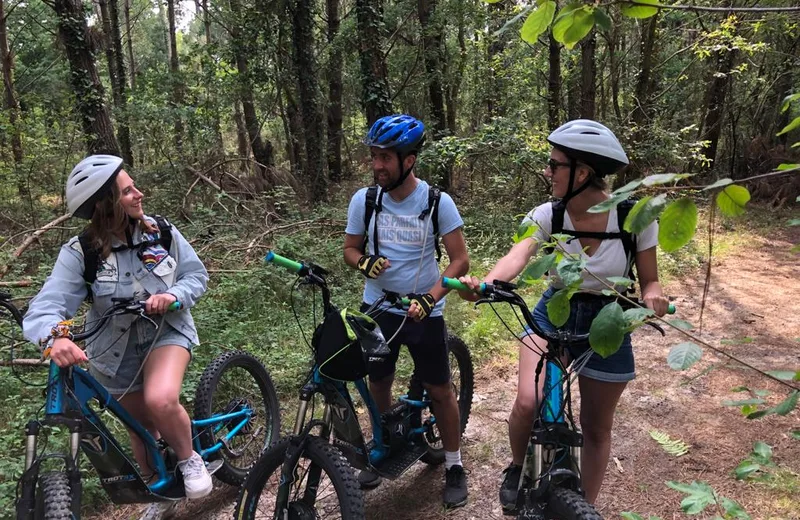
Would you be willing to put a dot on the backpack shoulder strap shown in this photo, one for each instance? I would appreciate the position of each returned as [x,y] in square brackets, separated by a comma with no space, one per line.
[557,222]
[164,232]
[370,208]
[91,257]
[628,239]
[434,196]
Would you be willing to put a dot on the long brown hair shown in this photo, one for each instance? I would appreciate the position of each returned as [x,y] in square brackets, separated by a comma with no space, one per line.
[110,221]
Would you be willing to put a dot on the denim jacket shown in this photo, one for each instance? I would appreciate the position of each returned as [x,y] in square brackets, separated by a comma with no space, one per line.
[178,272]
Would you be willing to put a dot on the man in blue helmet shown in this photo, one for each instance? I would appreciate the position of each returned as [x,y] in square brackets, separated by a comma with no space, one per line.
[391,238]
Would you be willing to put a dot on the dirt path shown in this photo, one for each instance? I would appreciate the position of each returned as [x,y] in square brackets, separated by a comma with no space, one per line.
[754,294]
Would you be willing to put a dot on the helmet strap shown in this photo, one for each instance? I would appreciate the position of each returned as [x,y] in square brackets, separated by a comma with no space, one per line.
[403,175]
[573,165]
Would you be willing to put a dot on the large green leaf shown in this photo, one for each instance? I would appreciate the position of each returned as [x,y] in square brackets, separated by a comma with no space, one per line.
[525,230]
[677,225]
[745,469]
[636,316]
[573,23]
[602,20]
[664,178]
[732,509]
[569,270]
[607,330]
[718,184]
[639,11]
[644,213]
[683,356]
[787,166]
[785,375]
[700,496]
[732,200]
[538,21]
[788,101]
[610,202]
[620,280]
[788,404]
[558,307]
[791,126]
[537,269]
[762,450]
[681,324]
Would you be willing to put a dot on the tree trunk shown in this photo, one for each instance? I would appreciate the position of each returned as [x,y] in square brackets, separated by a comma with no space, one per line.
[116,71]
[499,13]
[613,45]
[554,83]
[95,118]
[588,76]
[715,105]
[131,63]
[573,89]
[374,76]
[432,36]
[641,111]
[334,112]
[242,139]
[453,90]
[175,76]
[262,149]
[10,102]
[307,75]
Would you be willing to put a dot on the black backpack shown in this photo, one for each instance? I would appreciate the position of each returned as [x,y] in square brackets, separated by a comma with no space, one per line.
[374,205]
[628,239]
[91,256]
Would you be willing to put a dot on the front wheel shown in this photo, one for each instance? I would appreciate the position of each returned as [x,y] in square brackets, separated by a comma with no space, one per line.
[235,382]
[53,497]
[324,486]
[462,379]
[566,504]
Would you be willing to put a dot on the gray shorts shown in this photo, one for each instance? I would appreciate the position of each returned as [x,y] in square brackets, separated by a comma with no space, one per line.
[140,342]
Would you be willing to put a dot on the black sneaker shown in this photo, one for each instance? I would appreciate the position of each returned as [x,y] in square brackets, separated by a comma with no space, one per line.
[455,487]
[368,479]
[510,486]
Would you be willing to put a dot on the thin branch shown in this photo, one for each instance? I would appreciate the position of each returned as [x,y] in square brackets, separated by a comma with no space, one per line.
[714,9]
[32,238]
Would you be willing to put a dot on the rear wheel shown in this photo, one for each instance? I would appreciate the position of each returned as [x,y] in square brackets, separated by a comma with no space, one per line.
[233,382]
[462,379]
[336,494]
[566,504]
[53,497]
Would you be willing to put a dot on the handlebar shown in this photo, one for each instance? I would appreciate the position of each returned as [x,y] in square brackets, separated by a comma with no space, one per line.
[486,289]
[284,262]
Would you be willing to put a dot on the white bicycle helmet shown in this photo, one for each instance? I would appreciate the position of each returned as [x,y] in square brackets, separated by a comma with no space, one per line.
[591,143]
[88,181]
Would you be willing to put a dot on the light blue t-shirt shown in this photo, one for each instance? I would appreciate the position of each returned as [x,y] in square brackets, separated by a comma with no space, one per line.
[400,238]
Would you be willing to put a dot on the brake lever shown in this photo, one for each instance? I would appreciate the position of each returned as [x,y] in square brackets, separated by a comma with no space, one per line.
[657,327]
[142,314]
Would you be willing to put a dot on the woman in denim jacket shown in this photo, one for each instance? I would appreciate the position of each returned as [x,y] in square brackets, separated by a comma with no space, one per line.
[133,360]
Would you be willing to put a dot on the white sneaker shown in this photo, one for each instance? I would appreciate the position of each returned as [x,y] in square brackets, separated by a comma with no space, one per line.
[159,510]
[196,479]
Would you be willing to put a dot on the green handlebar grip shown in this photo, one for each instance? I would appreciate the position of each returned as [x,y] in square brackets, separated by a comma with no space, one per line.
[452,283]
[283,262]
[405,301]
[175,306]
[671,309]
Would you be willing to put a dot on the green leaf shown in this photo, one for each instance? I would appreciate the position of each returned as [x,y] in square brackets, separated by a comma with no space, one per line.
[759,414]
[664,178]
[677,225]
[609,203]
[675,447]
[620,280]
[739,389]
[762,450]
[796,434]
[537,269]
[570,269]
[538,21]
[525,230]
[573,23]
[794,222]
[788,404]
[745,469]
[644,213]
[681,324]
[785,375]
[683,356]
[788,101]
[700,496]
[558,307]
[635,317]
[743,402]
[513,21]
[748,409]
[602,20]
[791,126]
[627,515]
[607,330]
[733,509]
[787,166]
[732,199]
[638,11]
[632,185]
[718,184]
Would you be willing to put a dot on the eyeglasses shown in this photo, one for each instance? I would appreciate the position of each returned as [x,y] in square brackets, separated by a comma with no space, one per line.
[553,165]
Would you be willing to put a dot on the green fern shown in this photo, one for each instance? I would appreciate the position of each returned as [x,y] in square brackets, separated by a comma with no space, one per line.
[675,447]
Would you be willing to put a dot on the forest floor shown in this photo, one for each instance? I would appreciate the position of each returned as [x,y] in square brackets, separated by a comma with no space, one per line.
[752,313]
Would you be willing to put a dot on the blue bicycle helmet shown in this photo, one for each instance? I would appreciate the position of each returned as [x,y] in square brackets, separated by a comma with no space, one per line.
[401,132]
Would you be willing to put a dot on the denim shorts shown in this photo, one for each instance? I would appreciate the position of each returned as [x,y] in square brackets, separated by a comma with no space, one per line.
[617,368]
[140,342]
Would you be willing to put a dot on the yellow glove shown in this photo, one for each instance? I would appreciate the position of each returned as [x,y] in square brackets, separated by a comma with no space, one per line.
[371,265]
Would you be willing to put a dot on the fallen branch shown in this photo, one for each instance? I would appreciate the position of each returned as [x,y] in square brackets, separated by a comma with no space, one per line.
[32,238]
[301,224]
[24,362]
[17,283]
[214,185]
